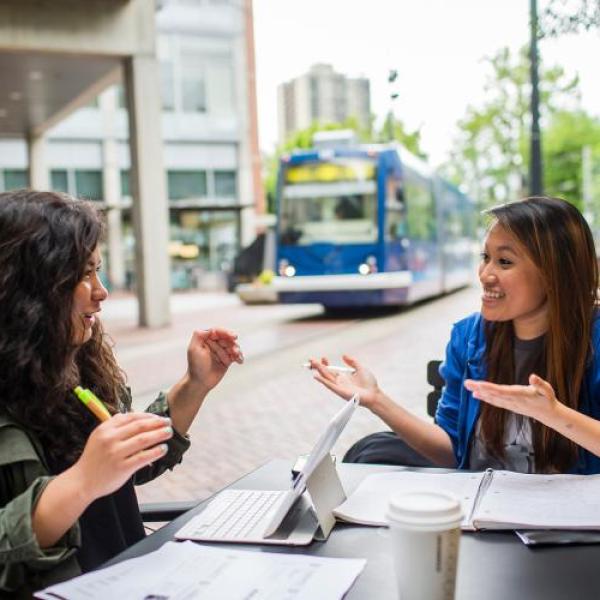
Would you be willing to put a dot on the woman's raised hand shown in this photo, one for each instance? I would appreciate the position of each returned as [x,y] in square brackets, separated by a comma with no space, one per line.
[536,400]
[118,448]
[210,353]
[346,385]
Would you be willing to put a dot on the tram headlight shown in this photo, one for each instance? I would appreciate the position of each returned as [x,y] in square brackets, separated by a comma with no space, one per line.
[285,269]
[369,266]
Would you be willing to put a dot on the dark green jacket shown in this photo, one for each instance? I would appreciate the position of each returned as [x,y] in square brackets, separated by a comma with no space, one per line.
[24,566]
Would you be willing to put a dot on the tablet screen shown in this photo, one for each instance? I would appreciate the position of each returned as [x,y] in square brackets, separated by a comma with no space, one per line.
[328,438]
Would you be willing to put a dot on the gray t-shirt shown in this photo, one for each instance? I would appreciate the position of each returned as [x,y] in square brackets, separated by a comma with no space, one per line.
[518,445]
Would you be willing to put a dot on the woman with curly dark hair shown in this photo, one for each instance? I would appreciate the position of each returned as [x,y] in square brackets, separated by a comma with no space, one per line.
[67,501]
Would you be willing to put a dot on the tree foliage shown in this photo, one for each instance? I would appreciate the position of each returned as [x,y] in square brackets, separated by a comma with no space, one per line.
[491,152]
[395,130]
[565,139]
[569,16]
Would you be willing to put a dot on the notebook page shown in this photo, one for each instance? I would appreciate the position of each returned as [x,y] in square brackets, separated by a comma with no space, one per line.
[540,501]
[368,504]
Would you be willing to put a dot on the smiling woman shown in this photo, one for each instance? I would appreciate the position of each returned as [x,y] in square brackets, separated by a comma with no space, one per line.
[522,376]
[66,482]
[513,288]
[88,295]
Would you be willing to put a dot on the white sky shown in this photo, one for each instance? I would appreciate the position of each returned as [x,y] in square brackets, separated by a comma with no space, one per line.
[436,46]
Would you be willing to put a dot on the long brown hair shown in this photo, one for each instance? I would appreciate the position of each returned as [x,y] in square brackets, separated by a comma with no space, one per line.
[559,242]
[46,240]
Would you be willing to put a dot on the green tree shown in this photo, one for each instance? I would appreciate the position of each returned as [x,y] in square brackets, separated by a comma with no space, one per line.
[490,155]
[556,19]
[393,129]
[565,138]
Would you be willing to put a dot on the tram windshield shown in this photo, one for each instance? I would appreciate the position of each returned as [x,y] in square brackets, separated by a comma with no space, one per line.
[329,202]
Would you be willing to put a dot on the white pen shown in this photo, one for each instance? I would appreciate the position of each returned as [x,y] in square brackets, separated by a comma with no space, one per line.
[336,368]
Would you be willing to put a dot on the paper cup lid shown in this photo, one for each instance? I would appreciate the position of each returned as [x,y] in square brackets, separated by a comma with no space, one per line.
[424,509]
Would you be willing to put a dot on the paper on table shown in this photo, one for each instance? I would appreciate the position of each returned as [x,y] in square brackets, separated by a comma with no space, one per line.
[545,501]
[368,504]
[186,570]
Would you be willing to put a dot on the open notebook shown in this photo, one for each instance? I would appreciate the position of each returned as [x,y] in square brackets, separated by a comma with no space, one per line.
[273,516]
[490,500]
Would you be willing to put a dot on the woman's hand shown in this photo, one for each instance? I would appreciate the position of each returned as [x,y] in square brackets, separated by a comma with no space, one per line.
[118,448]
[209,355]
[536,400]
[361,382]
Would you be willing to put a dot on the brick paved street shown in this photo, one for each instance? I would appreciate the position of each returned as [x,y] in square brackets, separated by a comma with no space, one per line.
[270,406]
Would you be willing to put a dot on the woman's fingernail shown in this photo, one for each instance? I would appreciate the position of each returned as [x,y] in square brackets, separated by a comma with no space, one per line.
[164,448]
[169,430]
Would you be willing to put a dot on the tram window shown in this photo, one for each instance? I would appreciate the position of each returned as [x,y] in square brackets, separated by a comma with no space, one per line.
[400,196]
[395,208]
[420,209]
[396,225]
[329,218]
[349,207]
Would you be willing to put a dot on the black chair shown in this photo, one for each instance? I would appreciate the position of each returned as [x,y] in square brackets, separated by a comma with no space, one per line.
[436,380]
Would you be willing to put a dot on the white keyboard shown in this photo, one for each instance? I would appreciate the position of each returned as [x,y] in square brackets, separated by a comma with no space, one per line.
[234,515]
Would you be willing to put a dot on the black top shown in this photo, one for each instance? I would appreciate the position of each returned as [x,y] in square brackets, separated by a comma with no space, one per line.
[529,358]
[108,525]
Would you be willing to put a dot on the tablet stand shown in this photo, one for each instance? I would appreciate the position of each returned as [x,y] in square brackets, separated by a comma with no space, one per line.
[326,492]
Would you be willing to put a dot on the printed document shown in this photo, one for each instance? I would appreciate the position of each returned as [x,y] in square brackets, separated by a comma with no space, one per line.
[188,571]
[490,500]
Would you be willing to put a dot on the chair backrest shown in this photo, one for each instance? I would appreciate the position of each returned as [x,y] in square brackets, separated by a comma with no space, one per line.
[437,381]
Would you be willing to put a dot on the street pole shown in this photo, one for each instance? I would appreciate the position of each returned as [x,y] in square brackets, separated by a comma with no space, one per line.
[392,76]
[536,185]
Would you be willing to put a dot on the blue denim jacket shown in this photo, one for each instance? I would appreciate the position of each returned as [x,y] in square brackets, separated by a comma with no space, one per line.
[458,411]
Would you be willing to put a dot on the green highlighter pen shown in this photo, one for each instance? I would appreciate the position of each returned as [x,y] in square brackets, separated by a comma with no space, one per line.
[93,403]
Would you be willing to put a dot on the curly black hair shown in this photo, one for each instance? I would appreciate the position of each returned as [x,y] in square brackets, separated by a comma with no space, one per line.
[46,240]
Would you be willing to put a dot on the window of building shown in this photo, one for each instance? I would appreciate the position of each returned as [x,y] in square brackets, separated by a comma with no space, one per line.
[193,83]
[15,179]
[88,184]
[59,180]
[165,52]
[186,184]
[125,184]
[121,96]
[219,77]
[167,85]
[225,184]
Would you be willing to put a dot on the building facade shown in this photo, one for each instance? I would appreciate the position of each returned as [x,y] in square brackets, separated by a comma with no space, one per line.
[205,50]
[322,96]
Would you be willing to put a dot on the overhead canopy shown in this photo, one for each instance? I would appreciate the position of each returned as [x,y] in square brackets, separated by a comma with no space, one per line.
[57,55]
[41,88]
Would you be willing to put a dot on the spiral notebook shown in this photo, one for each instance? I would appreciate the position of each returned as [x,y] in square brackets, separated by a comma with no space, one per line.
[490,499]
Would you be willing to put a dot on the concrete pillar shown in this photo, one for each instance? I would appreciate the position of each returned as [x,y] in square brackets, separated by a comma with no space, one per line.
[149,191]
[38,170]
[111,179]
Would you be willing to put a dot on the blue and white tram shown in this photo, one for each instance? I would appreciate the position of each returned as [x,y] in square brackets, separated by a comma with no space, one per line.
[368,226]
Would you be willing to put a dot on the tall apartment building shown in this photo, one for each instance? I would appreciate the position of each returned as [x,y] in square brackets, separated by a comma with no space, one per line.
[210,143]
[321,95]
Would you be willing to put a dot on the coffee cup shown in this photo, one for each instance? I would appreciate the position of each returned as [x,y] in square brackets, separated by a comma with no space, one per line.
[425,536]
